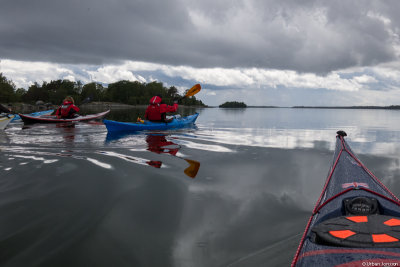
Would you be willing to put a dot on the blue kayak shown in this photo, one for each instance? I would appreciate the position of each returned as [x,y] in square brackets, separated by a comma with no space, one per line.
[35,114]
[176,123]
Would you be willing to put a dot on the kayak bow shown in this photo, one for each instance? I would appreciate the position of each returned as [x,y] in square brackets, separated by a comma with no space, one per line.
[356,220]
[177,122]
[5,120]
[35,114]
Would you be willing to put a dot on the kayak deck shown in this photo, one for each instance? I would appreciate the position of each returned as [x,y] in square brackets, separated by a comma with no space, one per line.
[356,218]
[55,119]
[177,122]
[17,118]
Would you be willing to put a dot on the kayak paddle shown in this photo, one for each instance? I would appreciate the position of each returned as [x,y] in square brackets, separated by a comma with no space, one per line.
[192,91]
[193,168]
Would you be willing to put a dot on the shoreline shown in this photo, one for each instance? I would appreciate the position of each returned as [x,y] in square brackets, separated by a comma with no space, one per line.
[28,108]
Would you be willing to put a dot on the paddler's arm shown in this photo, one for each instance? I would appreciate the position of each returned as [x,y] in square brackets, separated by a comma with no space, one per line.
[4,109]
[165,108]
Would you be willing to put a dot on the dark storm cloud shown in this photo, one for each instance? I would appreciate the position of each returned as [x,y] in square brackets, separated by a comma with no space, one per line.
[306,36]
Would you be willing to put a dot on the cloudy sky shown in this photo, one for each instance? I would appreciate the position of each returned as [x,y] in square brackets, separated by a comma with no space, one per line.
[262,52]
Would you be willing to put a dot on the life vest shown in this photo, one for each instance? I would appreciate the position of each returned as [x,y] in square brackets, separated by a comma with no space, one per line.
[67,108]
[153,111]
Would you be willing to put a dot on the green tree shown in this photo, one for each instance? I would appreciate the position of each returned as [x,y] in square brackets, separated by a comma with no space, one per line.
[233,104]
[7,89]
[59,89]
[94,91]
[19,94]
[35,93]
[122,91]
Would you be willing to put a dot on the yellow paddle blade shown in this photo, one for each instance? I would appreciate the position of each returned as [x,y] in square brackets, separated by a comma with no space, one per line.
[193,168]
[194,90]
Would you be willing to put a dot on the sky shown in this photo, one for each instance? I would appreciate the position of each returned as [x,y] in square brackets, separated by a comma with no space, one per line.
[261,52]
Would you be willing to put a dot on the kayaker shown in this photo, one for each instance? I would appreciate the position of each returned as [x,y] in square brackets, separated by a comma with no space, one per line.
[157,111]
[4,109]
[67,110]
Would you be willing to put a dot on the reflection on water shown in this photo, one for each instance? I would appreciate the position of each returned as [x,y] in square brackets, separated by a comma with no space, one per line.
[156,143]
[79,196]
[373,131]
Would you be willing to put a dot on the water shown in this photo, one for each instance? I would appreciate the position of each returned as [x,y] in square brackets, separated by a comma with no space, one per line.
[236,190]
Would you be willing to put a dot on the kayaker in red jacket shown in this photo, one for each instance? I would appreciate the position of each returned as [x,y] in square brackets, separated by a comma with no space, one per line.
[67,110]
[156,111]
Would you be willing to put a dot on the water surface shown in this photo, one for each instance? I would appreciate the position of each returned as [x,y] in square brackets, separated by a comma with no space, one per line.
[236,190]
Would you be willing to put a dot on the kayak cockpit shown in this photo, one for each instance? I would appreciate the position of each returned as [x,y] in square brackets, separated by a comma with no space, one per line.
[362,224]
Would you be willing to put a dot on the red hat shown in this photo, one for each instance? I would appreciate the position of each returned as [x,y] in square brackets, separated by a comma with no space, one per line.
[155,100]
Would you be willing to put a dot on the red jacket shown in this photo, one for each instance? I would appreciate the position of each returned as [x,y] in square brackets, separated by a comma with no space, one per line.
[159,144]
[67,109]
[156,111]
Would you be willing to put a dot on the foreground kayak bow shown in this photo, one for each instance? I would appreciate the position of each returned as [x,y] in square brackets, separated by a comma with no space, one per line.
[5,120]
[356,220]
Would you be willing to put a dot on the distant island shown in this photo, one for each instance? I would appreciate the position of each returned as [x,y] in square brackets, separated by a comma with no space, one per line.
[233,104]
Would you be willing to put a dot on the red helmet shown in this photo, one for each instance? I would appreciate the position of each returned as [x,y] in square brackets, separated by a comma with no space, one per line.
[155,100]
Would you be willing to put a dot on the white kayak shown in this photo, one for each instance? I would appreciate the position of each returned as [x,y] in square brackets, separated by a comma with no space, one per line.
[5,120]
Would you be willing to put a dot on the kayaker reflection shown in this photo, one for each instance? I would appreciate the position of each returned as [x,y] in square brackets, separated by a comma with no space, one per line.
[157,111]
[68,110]
[157,143]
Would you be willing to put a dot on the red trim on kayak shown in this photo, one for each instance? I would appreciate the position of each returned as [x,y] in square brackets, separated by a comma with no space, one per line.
[347,251]
[332,198]
[328,180]
[349,189]
[318,205]
[53,118]
[296,257]
[369,172]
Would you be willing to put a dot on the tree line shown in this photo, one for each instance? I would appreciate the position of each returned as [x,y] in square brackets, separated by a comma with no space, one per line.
[126,92]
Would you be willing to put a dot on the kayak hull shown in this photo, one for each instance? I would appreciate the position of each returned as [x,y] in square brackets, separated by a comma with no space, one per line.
[54,119]
[329,240]
[4,121]
[39,113]
[176,123]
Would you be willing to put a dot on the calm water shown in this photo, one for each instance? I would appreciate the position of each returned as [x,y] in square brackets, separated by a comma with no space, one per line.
[236,190]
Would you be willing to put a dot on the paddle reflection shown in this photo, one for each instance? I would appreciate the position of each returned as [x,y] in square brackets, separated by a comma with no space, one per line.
[159,144]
